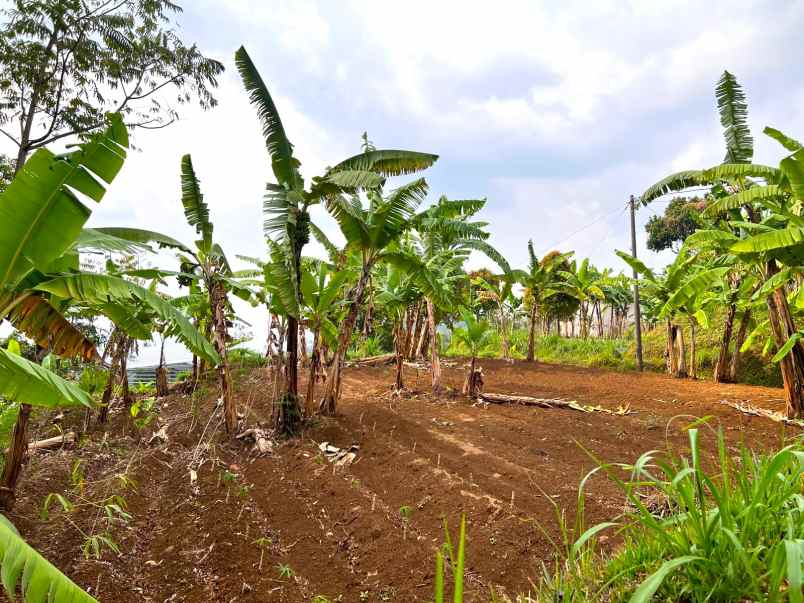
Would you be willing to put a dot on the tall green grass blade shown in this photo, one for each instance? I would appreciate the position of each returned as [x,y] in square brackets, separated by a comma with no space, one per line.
[651,584]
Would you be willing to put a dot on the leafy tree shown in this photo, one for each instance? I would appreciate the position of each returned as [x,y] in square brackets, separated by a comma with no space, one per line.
[67,63]
[681,218]
[287,202]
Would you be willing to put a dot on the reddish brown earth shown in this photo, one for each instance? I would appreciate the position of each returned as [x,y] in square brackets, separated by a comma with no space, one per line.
[340,530]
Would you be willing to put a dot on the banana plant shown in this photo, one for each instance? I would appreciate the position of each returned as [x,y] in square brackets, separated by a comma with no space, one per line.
[584,283]
[539,279]
[369,231]
[205,263]
[474,334]
[322,289]
[397,292]
[288,200]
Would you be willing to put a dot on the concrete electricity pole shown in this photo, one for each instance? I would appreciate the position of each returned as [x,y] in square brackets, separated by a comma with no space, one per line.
[637,311]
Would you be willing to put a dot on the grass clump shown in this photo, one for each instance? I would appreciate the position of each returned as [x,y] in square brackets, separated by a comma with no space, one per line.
[733,533]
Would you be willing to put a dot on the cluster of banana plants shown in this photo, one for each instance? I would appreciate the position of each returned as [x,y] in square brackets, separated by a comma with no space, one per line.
[744,264]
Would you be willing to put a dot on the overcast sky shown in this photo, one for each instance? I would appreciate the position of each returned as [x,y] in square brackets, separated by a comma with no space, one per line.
[554,111]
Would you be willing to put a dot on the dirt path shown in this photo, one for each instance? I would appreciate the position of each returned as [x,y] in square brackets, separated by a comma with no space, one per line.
[368,532]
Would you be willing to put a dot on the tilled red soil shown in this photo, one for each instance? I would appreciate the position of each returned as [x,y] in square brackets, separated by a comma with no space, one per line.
[367,532]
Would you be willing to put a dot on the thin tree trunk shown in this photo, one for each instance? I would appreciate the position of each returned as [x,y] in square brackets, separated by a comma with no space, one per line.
[421,346]
[670,351]
[693,351]
[106,399]
[14,458]
[721,374]
[329,401]
[682,352]
[315,363]
[736,356]
[400,357]
[128,399]
[161,373]
[413,348]
[532,334]
[434,348]
[303,345]
[217,302]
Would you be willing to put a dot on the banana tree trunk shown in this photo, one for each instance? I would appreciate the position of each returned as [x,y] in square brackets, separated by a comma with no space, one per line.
[217,302]
[399,341]
[117,354]
[434,348]
[506,344]
[303,345]
[315,363]
[423,338]
[693,350]
[532,334]
[599,320]
[418,325]
[681,370]
[128,399]
[408,331]
[721,374]
[672,348]
[161,373]
[736,356]
[792,365]
[329,402]
[14,458]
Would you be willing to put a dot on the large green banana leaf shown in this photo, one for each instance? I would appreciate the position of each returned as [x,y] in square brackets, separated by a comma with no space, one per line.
[25,381]
[40,213]
[103,288]
[38,579]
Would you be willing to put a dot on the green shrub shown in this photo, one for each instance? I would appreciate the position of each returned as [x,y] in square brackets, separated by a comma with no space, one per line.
[245,358]
[733,533]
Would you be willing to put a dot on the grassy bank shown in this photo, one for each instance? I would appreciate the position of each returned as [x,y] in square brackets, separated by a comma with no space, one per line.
[619,354]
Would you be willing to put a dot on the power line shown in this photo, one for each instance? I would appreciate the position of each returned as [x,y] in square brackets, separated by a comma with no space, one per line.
[582,228]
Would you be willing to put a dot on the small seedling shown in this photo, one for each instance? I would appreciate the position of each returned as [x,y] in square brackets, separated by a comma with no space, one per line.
[263,543]
[285,571]
[406,513]
[94,545]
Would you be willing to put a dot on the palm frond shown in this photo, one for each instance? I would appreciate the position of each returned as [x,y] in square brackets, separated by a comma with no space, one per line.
[277,208]
[137,238]
[195,209]
[490,252]
[776,239]
[738,171]
[284,164]
[356,179]
[791,144]
[674,183]
[388,162]
[755,194]
[734,119]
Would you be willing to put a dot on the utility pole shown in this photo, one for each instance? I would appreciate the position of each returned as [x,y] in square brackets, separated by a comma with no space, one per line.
[637,311]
